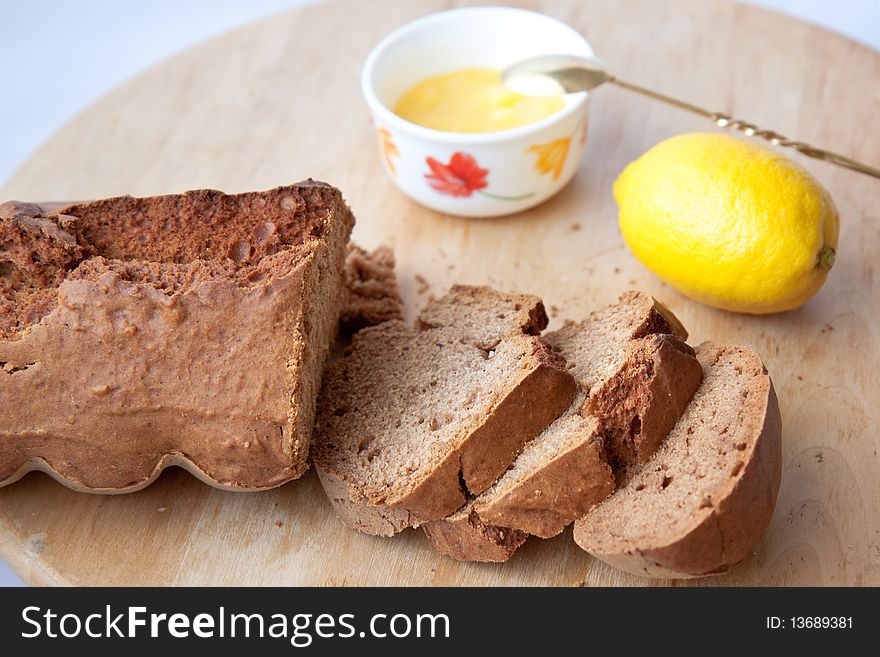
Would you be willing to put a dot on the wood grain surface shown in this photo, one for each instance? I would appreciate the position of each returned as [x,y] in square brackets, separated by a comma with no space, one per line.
[279,100]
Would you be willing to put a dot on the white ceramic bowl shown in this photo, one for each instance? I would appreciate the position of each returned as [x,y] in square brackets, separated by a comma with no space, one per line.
[474,174]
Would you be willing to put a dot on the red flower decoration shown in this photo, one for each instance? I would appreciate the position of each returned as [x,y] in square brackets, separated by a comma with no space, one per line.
[461,177]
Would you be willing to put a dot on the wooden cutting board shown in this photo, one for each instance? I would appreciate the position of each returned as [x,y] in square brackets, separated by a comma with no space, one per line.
[279,100]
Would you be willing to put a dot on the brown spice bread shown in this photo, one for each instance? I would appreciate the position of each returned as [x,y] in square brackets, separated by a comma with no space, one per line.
[634,385]
[706,497]
[413,420]
[191,330]
[372,295]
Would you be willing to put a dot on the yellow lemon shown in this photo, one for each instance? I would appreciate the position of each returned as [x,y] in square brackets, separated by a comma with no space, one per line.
[731,223]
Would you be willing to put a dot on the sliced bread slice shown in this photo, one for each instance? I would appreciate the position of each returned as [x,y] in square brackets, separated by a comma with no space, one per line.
[634,385]
[706,497]
[413,420]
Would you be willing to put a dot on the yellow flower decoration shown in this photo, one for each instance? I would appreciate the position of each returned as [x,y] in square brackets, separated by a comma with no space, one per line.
[389,149]
[551,156]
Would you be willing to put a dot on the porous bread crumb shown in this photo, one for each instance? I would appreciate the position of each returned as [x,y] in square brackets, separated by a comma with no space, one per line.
[483,315]
[371,294]
[427,392]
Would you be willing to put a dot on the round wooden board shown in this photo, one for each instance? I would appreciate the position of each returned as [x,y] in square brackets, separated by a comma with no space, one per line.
[279,100]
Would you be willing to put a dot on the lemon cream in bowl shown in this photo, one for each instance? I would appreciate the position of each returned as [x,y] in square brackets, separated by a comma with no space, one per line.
[450,135]
[472,100]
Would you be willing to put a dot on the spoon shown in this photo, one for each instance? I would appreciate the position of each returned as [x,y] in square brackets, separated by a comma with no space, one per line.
[552,75]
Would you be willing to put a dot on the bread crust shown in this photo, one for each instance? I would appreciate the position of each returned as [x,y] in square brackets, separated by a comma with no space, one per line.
[140,365]
[726,535]
[653,387]
[465,537]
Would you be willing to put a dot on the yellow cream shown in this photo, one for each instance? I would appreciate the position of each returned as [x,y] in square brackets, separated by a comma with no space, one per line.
[472,100]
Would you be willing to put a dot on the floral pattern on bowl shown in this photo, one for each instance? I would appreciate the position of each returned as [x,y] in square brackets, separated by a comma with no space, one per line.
[551,156]
[388,149]
[462,177]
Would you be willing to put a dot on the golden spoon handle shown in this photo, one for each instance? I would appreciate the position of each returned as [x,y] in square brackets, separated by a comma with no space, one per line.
[725,121]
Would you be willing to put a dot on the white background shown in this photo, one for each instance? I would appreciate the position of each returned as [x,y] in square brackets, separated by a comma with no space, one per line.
[57,56]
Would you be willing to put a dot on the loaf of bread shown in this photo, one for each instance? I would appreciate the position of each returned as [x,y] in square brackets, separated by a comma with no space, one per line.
[191,330]
[635,377]
[703,501]
[412,421]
